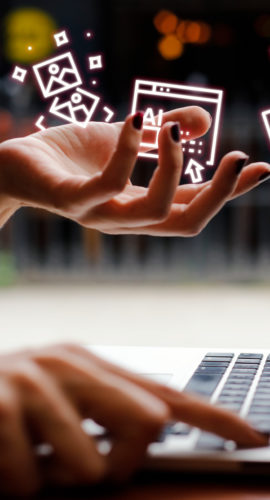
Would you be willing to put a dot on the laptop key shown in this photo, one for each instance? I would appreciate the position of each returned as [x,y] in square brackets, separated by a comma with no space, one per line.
[223,364]
[209,441]
[221,354]
[217,359]
[248,361]
[210,369]
[250,355]
[203,384]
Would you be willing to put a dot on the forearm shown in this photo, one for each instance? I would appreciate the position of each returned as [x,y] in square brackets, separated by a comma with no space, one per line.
[8,205]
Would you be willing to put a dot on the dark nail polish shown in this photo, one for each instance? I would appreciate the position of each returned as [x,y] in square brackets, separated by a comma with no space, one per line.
[264,176]
[240,164]
[138,120]
[175,132]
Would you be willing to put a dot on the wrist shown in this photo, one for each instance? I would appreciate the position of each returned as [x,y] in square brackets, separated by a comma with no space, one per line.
[7,208]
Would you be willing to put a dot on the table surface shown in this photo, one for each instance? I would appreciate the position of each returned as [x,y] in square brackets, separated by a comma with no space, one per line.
[161,315]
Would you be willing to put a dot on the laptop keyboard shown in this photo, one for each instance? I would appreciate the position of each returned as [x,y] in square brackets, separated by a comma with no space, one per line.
[233,394]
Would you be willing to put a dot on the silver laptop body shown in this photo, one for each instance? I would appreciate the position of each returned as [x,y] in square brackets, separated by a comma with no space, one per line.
[236,379]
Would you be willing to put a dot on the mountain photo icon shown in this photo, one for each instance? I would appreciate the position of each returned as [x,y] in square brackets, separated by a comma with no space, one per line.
[77,108]
[56,75]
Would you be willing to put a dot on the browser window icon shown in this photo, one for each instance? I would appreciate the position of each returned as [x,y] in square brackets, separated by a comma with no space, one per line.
[155,98]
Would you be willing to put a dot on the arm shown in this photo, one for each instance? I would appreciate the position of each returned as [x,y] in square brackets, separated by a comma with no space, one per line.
[84,175]
[46,393]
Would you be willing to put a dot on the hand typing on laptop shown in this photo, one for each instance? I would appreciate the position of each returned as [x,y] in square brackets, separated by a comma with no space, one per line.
[84,174]
[46,393]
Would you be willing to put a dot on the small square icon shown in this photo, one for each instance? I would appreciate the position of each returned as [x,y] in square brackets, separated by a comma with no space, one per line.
[61,38]
[19,74]
[95,62]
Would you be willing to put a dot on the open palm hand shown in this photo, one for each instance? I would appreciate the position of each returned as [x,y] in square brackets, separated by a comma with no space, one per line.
[84,175]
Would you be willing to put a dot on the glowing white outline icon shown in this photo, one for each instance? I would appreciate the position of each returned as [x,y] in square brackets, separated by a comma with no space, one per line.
[188,94]
[61,38]
[39,121]
[266,121]
[109,112]
[19,74]
[194,169]
[57,109]
[95,62]
[53,69]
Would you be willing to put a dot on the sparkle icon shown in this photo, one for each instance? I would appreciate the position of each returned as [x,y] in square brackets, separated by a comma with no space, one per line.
[61,38]
[19,74]
[95,62]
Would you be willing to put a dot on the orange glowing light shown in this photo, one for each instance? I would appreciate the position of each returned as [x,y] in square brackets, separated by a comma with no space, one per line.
[170,47]
[206,33]
[193,31]
[181,31]
[165,22]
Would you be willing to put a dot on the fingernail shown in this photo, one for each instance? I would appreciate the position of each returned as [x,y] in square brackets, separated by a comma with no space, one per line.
[264,177]
[241,163]
[138,120]
[175,132]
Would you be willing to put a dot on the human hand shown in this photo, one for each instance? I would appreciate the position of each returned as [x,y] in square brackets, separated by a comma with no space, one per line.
[46,393]
[84,174]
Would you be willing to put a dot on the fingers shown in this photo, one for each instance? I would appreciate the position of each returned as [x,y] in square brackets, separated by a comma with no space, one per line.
[252,175]
[133,416]
[192,119]
[78,194]
[155,204]
[212,419]
[190,219]
[18,472]
[53,420]
[184,407]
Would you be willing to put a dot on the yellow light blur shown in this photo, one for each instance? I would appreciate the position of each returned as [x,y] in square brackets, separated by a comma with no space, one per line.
[170,47]
[25,28]
[165,22]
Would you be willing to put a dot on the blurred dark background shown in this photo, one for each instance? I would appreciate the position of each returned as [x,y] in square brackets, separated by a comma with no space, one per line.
[223,44]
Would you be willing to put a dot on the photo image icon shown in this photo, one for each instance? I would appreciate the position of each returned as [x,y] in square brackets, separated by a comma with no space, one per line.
[77,108]
[56,75]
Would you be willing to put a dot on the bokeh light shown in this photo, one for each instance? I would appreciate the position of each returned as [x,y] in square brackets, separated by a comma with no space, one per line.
[25,28]
[170,47]
[165,22]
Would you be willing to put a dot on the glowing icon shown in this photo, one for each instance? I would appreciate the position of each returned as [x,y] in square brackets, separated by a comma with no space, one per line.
[81,104]
[57,74]
[109,113]
[59,79]
[39,123]
[95,62]
[266,121]
[156,98]
[61,38]
[19,74]
[194,170]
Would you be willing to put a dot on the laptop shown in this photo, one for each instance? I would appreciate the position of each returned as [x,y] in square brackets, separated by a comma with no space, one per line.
[234,379]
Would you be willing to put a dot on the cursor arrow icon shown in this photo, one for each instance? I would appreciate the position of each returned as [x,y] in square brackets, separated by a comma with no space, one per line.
[194,170]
